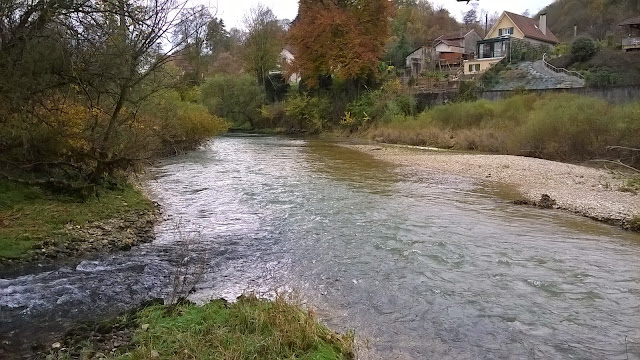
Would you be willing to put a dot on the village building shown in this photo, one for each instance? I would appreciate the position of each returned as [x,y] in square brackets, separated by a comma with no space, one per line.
[446,52]
[632,41]
[287,56]
[510,27]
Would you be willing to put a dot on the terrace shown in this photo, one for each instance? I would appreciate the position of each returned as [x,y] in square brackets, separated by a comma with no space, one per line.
[631,43]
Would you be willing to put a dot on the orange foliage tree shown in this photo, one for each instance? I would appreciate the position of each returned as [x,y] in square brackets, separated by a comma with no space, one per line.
[341,38]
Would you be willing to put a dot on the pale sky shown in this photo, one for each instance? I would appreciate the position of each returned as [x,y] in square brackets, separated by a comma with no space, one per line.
[232,11]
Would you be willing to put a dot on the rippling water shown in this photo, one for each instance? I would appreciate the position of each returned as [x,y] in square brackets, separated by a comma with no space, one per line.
[421,264]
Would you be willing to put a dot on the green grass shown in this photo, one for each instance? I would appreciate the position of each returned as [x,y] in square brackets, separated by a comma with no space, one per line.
[248,329]
[30,215]
[631,185]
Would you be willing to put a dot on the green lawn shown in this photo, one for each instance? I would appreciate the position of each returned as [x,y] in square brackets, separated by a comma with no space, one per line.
[248,329]
[29,215]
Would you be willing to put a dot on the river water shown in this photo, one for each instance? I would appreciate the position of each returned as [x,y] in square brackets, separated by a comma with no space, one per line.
[422,265]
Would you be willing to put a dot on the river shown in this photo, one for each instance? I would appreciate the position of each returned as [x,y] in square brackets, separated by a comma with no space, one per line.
[421,265]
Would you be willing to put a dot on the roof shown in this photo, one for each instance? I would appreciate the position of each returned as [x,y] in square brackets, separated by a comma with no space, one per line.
[454,36]
[457,43]
[529,28]
[290,49]
[631,21]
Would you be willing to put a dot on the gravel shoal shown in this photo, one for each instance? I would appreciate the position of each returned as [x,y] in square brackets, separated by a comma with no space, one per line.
[594,193]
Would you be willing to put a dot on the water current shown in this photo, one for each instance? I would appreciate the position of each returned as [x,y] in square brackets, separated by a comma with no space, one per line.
[422,265]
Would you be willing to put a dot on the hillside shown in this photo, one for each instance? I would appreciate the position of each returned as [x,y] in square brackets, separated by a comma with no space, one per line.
[622,68]
[597,18]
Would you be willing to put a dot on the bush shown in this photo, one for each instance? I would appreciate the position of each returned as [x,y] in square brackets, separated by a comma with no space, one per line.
[391,100]
[237,99]
[583,49]
[181,125]
[310,114]
[554,126]
[600,78]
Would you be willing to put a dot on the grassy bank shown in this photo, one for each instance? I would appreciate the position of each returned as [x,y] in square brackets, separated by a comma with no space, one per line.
[248,329]
[561,127]
[31,217]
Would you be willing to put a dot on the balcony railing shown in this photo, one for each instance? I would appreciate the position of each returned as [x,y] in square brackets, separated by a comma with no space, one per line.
[631,43]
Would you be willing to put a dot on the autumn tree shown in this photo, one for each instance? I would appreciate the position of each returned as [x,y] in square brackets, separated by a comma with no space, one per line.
[416,23]
[76,77]
[340,38]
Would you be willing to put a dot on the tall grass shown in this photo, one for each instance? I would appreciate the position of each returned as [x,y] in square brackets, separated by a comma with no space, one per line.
[248,329]
[554,126]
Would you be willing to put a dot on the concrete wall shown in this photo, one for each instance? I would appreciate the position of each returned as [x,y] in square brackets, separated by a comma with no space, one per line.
[485,64]
[614,95]
[428,100]
[424,59]
[470,42]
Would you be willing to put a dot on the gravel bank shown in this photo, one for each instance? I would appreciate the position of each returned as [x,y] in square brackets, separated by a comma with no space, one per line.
[591,192]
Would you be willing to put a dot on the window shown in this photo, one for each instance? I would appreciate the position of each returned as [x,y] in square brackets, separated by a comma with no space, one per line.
[505,31]
[471,68]
[477,67]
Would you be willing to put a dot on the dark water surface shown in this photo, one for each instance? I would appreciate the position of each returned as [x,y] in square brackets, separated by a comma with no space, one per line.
[423,265]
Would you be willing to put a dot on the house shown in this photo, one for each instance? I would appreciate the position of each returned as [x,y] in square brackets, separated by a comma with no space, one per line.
[631,43]
[508,29]
[286,58]
[447,50]
[420,59]
[452,49]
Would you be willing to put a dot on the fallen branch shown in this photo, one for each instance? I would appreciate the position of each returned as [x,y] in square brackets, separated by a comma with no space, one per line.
[617,163]
[622,148]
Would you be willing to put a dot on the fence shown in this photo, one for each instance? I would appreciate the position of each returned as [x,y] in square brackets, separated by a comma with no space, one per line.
[560,70]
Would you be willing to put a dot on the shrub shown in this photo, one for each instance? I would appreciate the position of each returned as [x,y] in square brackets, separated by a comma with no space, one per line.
[600,78]
[181,125]
[554,126]
[391,100]
[309,113]
[583,49]
[237,99]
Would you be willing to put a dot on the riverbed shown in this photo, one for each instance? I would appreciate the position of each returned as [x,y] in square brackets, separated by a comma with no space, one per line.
[421,264]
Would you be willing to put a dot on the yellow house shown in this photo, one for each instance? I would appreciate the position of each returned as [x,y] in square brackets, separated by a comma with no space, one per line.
[496,45]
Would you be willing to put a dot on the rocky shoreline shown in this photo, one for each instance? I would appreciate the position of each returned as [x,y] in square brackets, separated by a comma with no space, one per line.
[595,193]
[122,232]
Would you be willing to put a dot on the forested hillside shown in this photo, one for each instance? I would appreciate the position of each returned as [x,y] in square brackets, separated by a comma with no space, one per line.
[597,18]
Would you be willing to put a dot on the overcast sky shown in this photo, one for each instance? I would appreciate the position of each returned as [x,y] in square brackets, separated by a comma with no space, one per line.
[232,11]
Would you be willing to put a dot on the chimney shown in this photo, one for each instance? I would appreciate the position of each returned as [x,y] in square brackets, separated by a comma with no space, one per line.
[543,23]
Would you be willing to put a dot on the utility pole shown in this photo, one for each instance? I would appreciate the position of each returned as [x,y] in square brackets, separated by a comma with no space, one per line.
[486,24]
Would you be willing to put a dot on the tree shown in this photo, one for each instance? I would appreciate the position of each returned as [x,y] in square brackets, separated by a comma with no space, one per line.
[192,33]
[470,17]
[342,39]
[235,98]
[263,42]
[218,38]
[77,77]
[583,49]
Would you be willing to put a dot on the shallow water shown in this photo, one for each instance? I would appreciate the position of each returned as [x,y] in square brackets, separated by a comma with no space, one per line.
[420,264]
